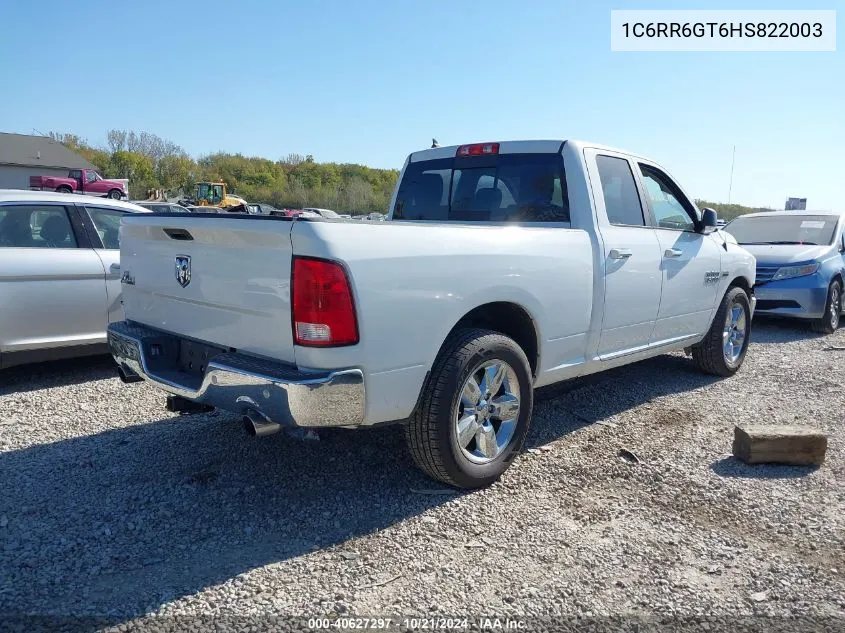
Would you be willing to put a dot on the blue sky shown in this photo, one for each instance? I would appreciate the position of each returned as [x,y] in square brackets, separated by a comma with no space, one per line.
[369,81]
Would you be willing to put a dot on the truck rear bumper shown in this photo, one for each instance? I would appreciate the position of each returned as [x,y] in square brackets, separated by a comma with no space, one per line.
[240,383]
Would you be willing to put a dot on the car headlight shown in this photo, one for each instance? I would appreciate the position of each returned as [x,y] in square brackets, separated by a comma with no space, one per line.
[788,272]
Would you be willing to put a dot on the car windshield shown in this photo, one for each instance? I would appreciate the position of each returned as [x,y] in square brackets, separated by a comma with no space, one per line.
[783,229]
[515,187]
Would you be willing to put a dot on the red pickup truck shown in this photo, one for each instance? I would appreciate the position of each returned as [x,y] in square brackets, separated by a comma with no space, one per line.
[85,181]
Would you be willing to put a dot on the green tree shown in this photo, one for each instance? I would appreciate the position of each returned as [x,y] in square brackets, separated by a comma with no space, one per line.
[729,211]
[152,162]
[175,172]
[138,168]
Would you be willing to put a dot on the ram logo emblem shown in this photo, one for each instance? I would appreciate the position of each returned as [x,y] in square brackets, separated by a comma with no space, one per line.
[183,269]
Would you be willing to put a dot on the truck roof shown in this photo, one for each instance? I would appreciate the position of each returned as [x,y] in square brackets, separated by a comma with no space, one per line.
[535,146]
[26,195]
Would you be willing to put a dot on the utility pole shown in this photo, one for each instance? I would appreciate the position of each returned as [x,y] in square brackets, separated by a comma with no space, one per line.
[731,185]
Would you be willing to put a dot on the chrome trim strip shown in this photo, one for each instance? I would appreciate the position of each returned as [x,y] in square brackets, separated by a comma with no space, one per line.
[240,383]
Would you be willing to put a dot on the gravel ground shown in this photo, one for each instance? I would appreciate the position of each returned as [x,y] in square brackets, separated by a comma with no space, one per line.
[112,507]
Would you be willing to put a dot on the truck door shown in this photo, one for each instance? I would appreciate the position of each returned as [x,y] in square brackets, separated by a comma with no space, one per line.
[76,174]
[631,256]
[691,262]
[90,186]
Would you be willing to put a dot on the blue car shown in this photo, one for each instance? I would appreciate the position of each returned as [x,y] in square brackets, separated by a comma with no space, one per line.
[800,264]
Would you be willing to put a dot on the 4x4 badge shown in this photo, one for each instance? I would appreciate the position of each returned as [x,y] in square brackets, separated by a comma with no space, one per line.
[183,269]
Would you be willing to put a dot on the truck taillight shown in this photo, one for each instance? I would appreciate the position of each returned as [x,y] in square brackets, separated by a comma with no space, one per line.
[478,149]
[323,310]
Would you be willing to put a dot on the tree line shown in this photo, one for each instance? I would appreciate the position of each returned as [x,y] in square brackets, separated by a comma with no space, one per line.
[293,181]
[729,211]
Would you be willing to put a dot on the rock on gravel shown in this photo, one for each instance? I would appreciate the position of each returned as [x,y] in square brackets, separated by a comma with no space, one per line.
[767,444]
[114,509]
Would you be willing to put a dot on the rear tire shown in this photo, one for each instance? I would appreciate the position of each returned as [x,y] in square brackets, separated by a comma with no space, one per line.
[832,310]
[64,189]
[460,434]
[115,194]
[723,349]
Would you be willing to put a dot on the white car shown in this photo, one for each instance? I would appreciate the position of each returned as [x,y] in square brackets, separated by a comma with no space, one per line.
[325,213]
[504,267]
[59,274]
[161,207]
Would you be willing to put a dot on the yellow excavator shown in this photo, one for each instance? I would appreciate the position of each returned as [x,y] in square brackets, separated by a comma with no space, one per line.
[214,194]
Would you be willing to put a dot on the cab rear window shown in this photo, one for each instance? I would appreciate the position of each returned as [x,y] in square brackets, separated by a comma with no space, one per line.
[500,188]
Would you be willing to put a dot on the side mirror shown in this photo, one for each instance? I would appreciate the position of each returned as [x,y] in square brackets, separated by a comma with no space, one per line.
[708,221]
[842,243]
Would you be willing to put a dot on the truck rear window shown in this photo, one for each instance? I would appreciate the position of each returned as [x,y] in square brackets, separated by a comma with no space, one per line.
[501,188]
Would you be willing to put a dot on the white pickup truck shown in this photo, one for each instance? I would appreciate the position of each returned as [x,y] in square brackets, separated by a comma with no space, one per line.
[502,267]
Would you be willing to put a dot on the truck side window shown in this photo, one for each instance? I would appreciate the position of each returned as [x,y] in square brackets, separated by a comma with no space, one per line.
[669,211]
[621,199]
[90,176]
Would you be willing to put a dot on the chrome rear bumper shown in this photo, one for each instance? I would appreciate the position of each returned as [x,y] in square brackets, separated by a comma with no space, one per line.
[240,383]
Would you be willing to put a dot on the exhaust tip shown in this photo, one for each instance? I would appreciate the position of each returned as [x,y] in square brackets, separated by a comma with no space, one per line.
[256,426]
[126,377]
[248,425]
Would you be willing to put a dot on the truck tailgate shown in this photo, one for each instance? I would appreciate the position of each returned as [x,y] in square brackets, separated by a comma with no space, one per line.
[223,280]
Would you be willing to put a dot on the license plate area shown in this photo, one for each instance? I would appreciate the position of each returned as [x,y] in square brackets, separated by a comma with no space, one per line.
[194,357]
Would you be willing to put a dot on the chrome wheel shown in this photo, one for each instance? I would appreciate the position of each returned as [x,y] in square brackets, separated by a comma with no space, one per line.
[736,328]
[835,306]
[487,411]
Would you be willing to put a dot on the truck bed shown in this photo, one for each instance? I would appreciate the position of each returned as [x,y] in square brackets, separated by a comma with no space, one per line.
[411,283]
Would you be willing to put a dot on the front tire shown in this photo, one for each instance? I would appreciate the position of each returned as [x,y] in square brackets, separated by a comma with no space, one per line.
[475,411]
[832,309]
[115,194]
[723,349]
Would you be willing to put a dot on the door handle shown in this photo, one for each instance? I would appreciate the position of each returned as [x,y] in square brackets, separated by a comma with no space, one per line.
[620,253]
[114,268]
[672,252]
